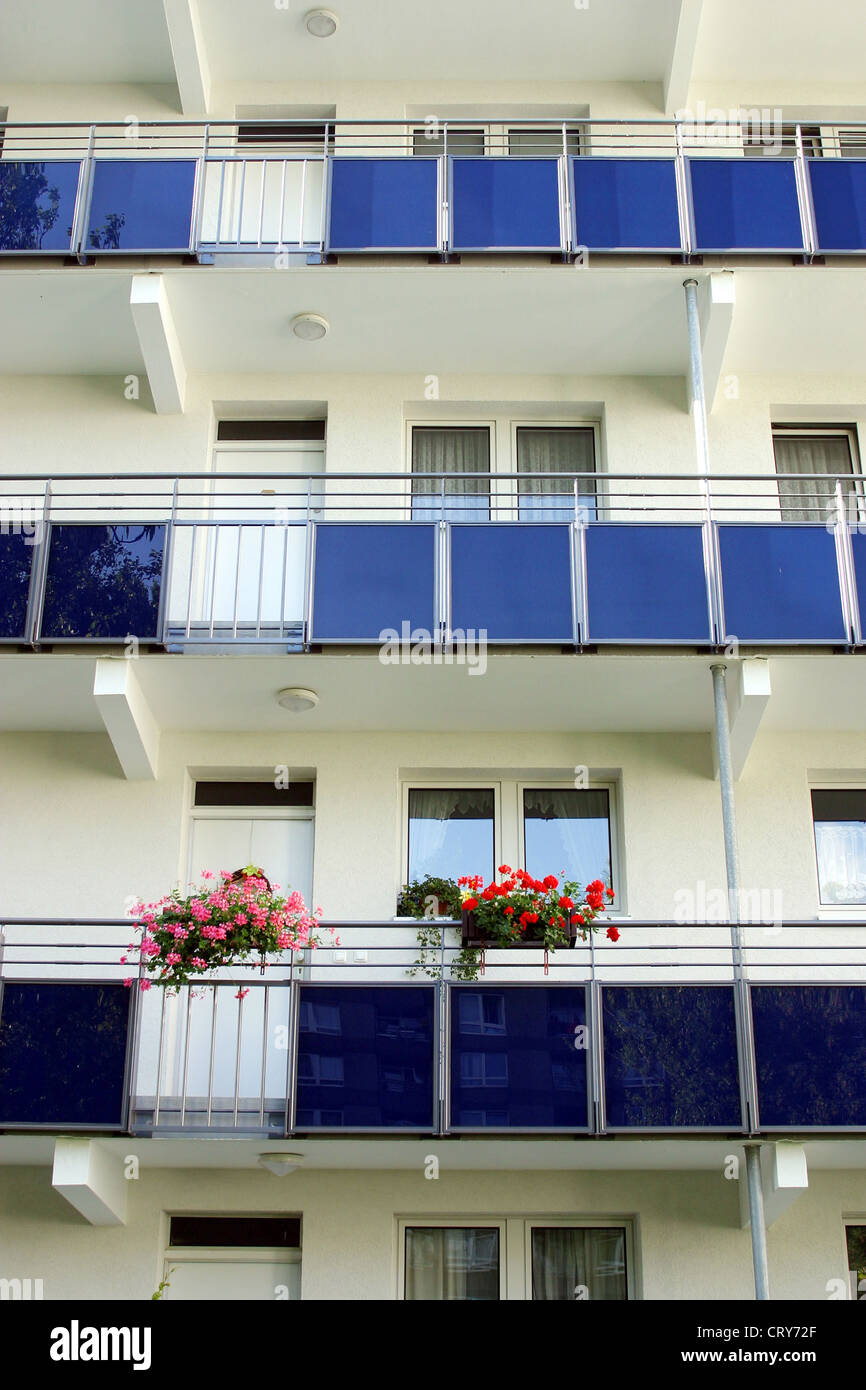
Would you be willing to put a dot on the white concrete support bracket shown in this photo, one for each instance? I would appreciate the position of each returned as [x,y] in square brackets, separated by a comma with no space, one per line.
[682,59]
[127,717]
[716,303]
[189,56]
[748,698]
[784,1177]
[159,342]
[91,1179]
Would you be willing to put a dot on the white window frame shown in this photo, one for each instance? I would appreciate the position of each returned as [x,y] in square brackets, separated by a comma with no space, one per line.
[515,1246]
[560,423]
[834,912]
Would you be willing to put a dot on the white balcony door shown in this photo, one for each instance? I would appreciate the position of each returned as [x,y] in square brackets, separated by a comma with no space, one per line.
[282,847]
[232,1280]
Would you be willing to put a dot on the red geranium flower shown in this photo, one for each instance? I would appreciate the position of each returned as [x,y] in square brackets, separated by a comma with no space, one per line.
[470,904]
[613,933]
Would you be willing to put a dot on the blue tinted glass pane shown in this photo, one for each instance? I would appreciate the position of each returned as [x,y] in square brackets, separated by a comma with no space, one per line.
[141,205]
[513,582]
[103,581]
[567,833]
[383,203]
[505,202]
[365,1058]
[371,580]
[745,204]
[63,1053]
[626,203]
[450,832]
[858,546]
[16,557]
[810,1048]
[518,1058]
[670,1058]
[37,204]
[839,199]
[646,583]
[781,584]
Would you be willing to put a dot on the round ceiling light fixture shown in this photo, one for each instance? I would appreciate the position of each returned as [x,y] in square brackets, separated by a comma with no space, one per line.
[321,23]
[309,327]
[280,1164]
[297,700]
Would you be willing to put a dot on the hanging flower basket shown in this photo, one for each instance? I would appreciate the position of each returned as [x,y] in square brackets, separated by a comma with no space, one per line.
[241,919]
[472,935]
[521,911]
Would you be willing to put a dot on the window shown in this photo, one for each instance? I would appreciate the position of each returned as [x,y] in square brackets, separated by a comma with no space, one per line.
[253,794]
[483,1069]
[567,831]
[270,429]
[855,1240]
[852,144]
[574,1263]
[452,1263]
[555,449]
[542,144]
[780,140]
[291,137]
[438,452]
[798,453]
[430,140]
[451,832]
[232,1258]
[839,817]
[317,1070]
[239,823]
[482,1013]
[557,1260]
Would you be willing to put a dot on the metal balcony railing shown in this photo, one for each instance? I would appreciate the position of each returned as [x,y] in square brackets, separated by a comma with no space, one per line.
[300,560]
[677,1028]
[749,183]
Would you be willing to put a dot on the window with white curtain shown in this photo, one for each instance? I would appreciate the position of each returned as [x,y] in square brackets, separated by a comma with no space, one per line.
[839,817]
[543,143]
[800,452]
[769,138]
[560,1261]
[451,832]
[440,454]
[430,140]
[566,832]
[852,144]
[569,450]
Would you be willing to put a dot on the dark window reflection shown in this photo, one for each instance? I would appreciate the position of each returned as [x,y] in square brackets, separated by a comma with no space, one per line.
[519,1058]
[452,1263]
[670,1057]
[37,204]
[16,558]
[574,1264]
[810,1046]
[365,1058]
[103,581]
[63,1053]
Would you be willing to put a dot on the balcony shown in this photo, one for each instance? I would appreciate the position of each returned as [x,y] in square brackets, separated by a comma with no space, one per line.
[269,562]
[669,1032]
[569,189]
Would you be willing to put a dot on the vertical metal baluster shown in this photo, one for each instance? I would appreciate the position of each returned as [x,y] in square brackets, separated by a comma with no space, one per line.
[216,550]
[262,201]
[264,530]
[218,230]
[192,560]
[238,1055]
[303,208]
[185,1056]
[216,995]
[264,1055]
[159,1060]
[237,580]
[281,228]
[241,197]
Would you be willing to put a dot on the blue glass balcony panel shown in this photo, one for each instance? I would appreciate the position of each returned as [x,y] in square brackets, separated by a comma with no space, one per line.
[383,204]
[745,205]
[141,205]
[858,547]
[372,580]
[781,584]
[810,1049]
[63,1054]
[16,560]
[103,581]
[505,203]
[625,203]
[365,1058]
[670,1057]
[512,581]
[519,1058]
[646,583]
[37,204]
[839,200]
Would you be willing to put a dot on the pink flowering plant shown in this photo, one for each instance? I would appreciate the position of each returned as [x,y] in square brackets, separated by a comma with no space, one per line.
[238,917]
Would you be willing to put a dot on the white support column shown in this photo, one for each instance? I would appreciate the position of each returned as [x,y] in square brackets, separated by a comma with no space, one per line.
[784,1177]
[159,343]
[91,1179]
[716,308]
[679,73]
[127,717]
[188,52]
[747,703]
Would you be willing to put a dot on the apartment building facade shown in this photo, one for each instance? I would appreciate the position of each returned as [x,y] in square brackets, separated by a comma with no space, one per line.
[432,442]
